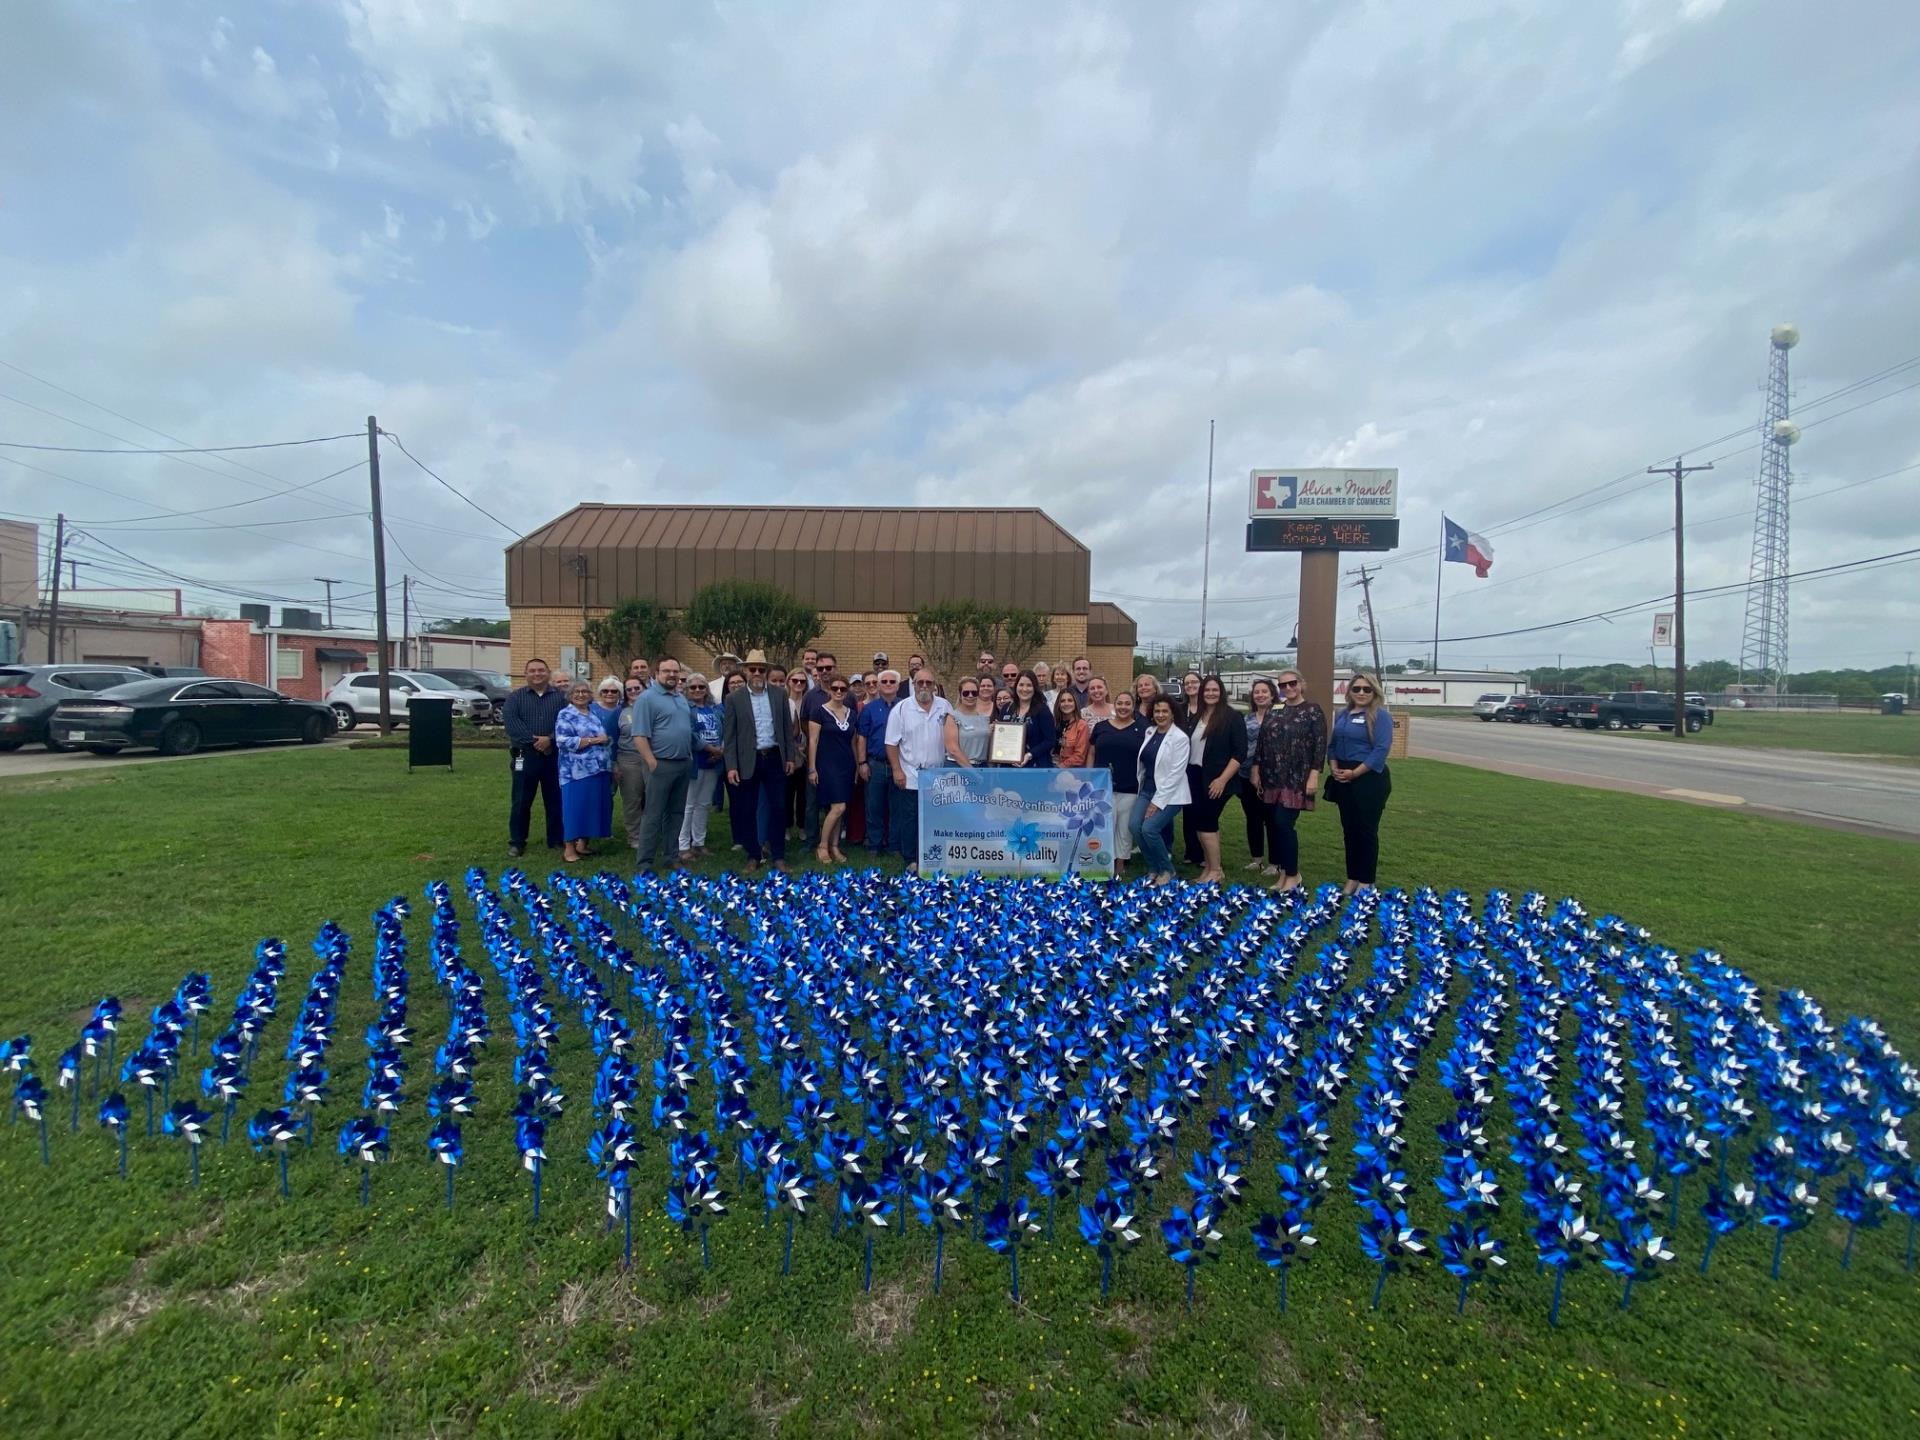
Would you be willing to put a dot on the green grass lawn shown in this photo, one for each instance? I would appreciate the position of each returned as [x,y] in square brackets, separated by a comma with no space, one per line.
[1837,732]
[148,1309]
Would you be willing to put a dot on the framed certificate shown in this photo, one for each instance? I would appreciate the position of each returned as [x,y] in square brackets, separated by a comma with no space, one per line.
[1008,743]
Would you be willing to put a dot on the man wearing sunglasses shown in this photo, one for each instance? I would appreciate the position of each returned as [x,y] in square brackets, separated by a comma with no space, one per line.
[662,725]
[825,667]
[871,771]
[920,736]
[756,740]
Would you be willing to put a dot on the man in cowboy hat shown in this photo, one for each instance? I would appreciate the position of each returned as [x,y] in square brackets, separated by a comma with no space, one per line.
[757,741]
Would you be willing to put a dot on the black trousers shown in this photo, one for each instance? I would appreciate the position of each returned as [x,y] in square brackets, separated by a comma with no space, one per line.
[1189,831]
[533,772]
[1263,829]
[1284,854]
[1361,803]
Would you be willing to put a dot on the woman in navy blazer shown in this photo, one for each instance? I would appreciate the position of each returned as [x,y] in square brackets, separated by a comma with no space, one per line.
[1358,781]
[1029,708]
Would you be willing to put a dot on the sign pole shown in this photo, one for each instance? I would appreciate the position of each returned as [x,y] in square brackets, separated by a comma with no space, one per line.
[1439,569]
[1319,602]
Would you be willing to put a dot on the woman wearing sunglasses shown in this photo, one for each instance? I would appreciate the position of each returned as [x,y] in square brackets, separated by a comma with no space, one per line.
[973,718]
[1287,756]
[830,735]
[1357,776]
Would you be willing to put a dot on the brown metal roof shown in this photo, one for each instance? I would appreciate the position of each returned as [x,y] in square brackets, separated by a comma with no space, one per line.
[1108,624]
[867,559]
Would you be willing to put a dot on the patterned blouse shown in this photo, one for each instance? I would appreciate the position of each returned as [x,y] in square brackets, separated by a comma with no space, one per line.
[1293,745]
[579,762]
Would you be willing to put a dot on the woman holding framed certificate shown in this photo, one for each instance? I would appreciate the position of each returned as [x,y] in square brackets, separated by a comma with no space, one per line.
[1029,712]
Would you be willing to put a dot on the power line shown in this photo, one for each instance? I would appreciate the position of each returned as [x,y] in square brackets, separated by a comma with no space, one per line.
[184,450]
[454,489]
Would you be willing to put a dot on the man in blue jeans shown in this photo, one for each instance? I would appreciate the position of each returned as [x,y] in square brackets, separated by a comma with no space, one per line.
[870,749]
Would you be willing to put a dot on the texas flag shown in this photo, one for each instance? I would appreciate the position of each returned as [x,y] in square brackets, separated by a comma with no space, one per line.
[1464,546]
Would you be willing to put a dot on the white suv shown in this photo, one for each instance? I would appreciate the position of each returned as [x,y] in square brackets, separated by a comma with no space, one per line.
[1488,706]
[356,697]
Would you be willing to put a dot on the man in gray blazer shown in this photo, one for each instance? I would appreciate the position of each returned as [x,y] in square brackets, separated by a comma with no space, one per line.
[756,737]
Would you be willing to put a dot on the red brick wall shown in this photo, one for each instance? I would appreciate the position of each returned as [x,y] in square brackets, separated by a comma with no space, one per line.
[230,648]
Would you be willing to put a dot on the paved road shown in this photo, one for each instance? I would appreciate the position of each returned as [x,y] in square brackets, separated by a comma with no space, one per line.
[1864,795]
[37,760]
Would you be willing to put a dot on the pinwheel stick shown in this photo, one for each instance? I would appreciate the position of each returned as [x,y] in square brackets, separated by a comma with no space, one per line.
[1460,1306]
[226,1119]
[939,1254]
[1283,1289]
[1626,1295]
[75,1125]
[1559,1282]
[1106,1272]
[284,1192]
[706,1255]
[1190,1274]
[1706,1257]
[1911,1224]
[626,1220]
[45,1158]
[1379,1285]
[786,1254]
[123,1152]
[866,1275]
[149,1090]
[1013,1254]
[193,1162]
[1846,1255]
[366,1184]
[1779,1244]
[449,1187]
[536,1189]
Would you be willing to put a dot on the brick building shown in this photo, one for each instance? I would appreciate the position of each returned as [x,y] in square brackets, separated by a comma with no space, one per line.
[305,663]
[864,569]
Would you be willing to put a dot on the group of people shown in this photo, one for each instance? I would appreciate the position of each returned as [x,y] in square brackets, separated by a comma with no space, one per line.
[839,757]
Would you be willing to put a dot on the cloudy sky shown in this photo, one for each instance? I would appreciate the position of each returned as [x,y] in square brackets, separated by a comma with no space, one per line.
[976,253]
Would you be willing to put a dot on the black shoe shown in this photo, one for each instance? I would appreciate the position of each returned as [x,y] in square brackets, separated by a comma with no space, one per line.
[516,851]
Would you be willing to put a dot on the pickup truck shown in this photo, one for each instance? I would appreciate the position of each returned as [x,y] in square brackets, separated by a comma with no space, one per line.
[1632,710]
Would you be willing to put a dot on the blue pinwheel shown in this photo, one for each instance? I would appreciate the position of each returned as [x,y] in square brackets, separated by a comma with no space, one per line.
[363,1140]
[1007,1227]
[865,1207]
[1281,1242]
[443,1143]
[1786,1206]
[1023,843]
[786,1190]
[30,1099]
[188,1122]
[1565,1242]
[1636,1254]
[274,1130]
[1863,1205]
[1193,1237]
[113,1119]
[67,1074]
[940,1199]
[1107,1225]
[1725,1210]
[530,1138]
[1469,1252]
[1390,1239]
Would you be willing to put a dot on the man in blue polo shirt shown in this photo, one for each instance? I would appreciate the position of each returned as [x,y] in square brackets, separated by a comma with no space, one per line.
[870,751]
[663,734]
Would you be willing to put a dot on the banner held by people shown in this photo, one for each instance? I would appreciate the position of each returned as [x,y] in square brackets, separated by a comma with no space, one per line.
[1043,823]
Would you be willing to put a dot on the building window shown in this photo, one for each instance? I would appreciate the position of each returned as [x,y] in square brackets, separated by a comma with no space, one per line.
[290,664]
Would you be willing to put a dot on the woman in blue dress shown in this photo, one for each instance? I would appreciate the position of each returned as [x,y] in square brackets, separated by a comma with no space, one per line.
[608,703]
[830,766]
[586,772]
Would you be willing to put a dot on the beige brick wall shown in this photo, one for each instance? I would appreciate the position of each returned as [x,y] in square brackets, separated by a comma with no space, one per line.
[1113,661]
[852,636]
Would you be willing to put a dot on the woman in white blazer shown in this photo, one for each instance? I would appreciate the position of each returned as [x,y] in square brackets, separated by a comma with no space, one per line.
[1163,790]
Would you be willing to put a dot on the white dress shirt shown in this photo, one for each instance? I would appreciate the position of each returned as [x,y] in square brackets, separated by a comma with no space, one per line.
[921,736]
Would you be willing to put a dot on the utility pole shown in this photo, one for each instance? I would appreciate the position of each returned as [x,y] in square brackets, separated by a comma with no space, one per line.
[406,622]
[53,612]
[380,578]
[1679,471]
[323,580]
[1366,601]
[1206,546]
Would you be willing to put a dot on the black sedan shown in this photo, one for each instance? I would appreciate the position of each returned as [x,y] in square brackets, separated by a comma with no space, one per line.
[178,716]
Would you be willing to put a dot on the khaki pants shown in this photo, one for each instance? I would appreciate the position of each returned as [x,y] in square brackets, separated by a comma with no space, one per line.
[631,772]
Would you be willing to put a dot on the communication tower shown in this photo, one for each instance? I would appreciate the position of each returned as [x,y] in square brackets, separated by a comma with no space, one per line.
[1763,641]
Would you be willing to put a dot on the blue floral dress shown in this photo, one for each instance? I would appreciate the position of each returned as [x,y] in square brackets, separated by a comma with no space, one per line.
[586,776]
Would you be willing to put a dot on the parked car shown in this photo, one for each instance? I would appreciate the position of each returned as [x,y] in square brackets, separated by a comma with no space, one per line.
[356,697]
[29,693]
[1523,710]
[177,716]
[490,683]
[168,672]
[1633,710]
[1488,706]
[1554,708]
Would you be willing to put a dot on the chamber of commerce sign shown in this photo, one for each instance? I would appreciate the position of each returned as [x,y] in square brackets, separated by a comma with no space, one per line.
[1365,534]
[1307,493]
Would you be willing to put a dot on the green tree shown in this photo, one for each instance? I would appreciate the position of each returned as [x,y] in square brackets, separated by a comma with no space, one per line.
[1021,633]
[946,631]
[468,625]
[743,615]
[635,628]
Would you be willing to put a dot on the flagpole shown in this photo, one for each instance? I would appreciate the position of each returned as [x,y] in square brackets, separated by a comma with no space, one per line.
[1439,568]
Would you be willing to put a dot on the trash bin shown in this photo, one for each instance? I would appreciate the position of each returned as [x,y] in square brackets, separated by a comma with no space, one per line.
[1893,704]
[429,730]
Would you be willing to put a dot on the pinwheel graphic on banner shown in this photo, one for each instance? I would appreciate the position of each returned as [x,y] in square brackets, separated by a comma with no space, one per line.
[871,1042]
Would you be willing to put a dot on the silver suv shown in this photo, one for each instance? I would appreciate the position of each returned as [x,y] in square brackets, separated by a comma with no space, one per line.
[356,697]
[29,693]
[1488,706]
